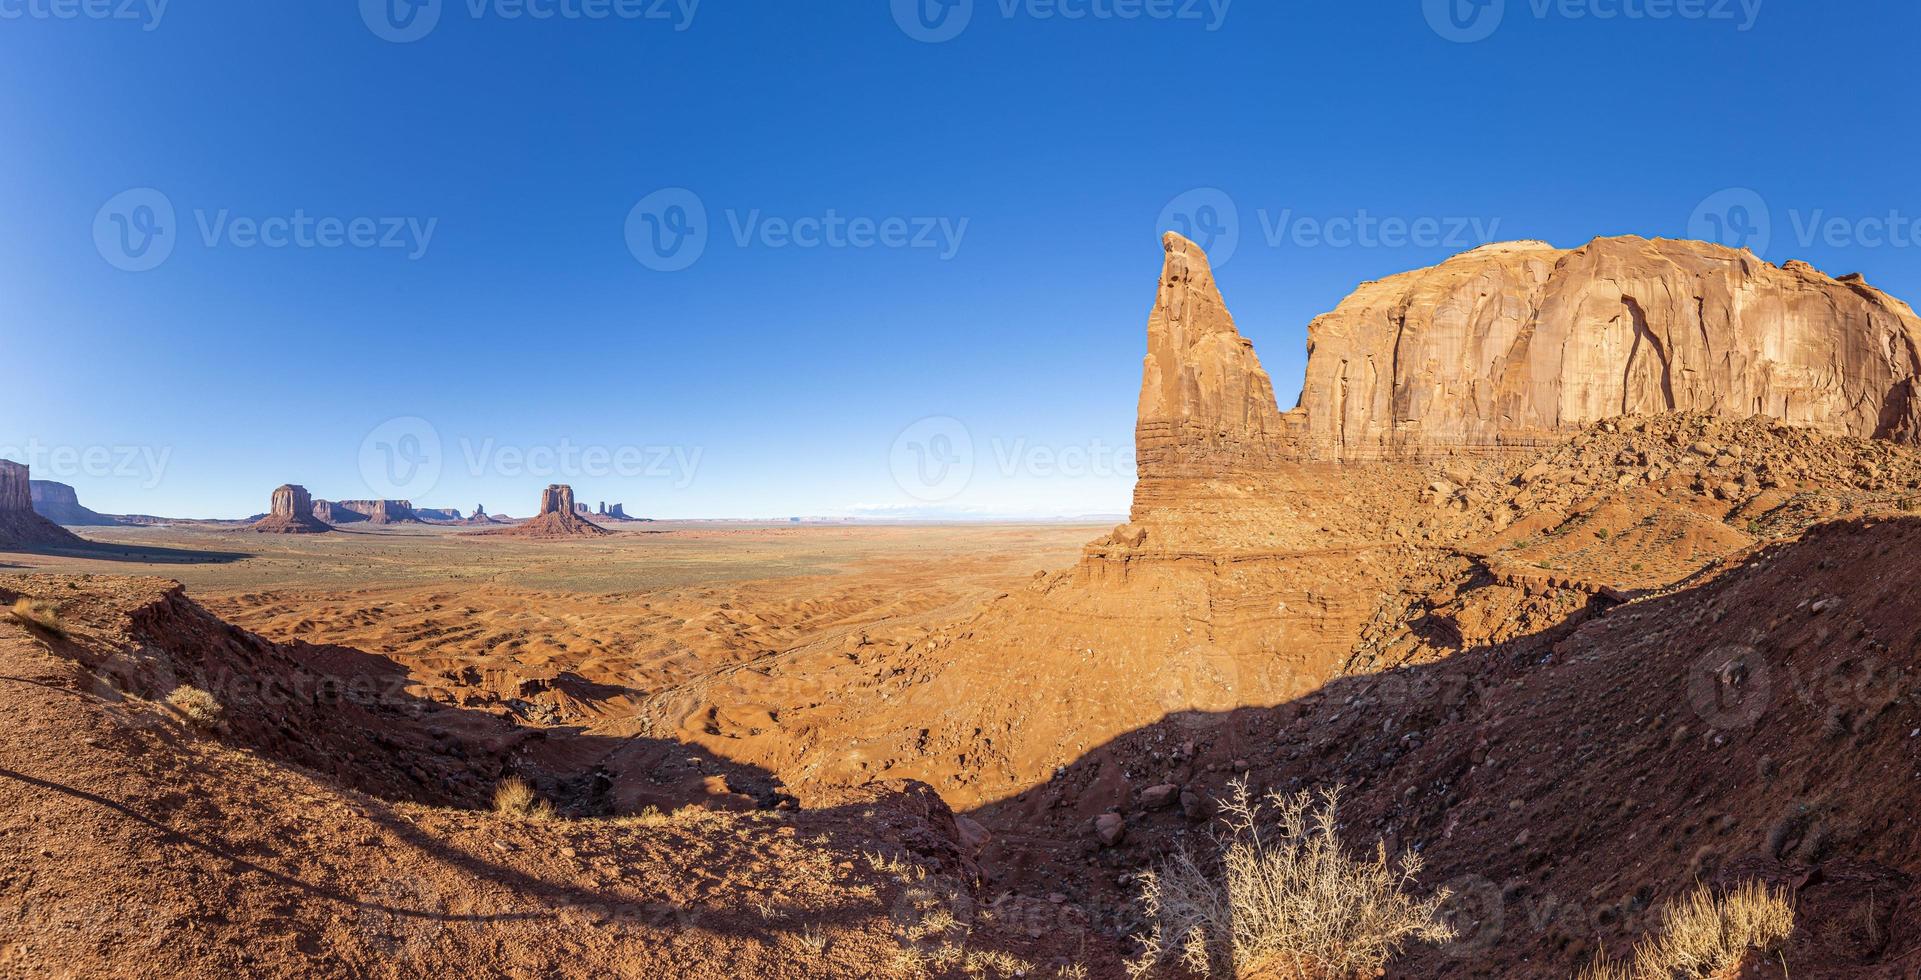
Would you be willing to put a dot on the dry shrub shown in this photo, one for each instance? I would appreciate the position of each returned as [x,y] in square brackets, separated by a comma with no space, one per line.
[35,612]
[196,706]
[1288,902]
[514,797]
[1707,937]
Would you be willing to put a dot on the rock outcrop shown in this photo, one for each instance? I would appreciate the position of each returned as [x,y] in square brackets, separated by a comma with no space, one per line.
[293,513]
[1522,343]
[437,515]
[375,511]
[1206,406]
[60,504]
[332,513]
[559,517]
[20,526]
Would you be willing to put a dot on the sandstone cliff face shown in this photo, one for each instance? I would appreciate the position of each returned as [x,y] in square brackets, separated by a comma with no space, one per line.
[20,526]
[1206,404]
[379,511]
[1521,343]
[60,504]
[293,513]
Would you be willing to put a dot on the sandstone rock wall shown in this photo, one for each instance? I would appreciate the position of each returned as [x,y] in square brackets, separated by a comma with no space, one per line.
[20,526]
[1521,343]
[60,504]
[1207,405]
[293,513]
[380,511]
[16,493]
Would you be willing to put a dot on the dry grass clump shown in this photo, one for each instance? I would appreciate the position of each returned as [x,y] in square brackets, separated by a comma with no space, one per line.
[196,706]
[1287,902]
[37,612]
[1707,937]
[514,797]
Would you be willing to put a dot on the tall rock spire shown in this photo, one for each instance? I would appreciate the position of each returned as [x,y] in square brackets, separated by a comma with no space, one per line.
[1207,407]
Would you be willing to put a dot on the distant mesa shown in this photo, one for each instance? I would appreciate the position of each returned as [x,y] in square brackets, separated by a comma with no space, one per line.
[59,503]
[371,512]
[615,512]
[332,513]
[438,515]
[20,526]
[480,518]
[559,517]
[293,513]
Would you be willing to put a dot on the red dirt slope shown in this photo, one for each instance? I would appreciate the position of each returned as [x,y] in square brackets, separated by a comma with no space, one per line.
[137,841]
[1761,724]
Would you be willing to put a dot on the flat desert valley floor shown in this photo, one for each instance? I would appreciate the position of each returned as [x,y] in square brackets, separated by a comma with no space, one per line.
[637,609]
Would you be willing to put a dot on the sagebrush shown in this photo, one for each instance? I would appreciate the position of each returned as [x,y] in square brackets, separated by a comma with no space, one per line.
[1278,897]
[196,705]
[1707,936]
[35,612]
[514,797]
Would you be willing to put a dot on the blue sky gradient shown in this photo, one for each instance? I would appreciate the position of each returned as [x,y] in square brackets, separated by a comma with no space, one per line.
[1034,156]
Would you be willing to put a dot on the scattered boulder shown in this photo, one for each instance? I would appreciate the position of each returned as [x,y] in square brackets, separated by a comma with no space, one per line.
[1160,797]
[293,513]
[1110,828]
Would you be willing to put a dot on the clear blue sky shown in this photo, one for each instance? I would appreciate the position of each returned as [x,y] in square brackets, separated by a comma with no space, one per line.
[791,379]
